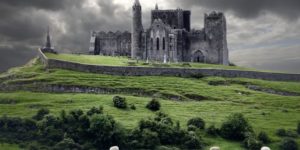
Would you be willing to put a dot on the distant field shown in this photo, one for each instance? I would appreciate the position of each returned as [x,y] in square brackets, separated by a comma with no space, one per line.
[223,96]
[124,61]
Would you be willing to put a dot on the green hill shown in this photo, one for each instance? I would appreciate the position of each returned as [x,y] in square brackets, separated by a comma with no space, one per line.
[271,106]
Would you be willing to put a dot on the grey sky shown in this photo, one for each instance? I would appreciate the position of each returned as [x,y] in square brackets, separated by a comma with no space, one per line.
[263,34]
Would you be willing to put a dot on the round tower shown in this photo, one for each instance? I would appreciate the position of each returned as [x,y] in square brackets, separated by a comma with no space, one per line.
[137,29]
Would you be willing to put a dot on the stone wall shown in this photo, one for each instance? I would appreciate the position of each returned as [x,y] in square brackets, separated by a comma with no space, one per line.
[180,72]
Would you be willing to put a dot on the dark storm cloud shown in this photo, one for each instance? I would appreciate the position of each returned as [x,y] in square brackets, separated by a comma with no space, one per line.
[249,8]
[23,22]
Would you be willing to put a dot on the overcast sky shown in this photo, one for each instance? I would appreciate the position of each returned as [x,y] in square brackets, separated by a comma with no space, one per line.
[263,34]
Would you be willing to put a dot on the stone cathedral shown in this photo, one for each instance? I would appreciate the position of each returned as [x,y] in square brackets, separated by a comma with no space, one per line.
[168,39]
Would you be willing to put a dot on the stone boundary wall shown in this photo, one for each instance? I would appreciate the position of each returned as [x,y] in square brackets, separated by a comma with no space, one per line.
[179,72]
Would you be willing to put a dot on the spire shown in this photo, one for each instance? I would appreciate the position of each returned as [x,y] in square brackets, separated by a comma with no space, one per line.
[48,40]
[156,6]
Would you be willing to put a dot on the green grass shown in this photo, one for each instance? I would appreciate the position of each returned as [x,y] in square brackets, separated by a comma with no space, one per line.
[124,61]
[5,146]
[266,112]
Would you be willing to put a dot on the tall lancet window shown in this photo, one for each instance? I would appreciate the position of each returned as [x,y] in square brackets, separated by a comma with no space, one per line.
[164,44]
[157,43]
[151,44]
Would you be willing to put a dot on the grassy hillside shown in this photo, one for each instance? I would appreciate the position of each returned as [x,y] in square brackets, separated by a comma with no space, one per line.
[211,98]
[124,61]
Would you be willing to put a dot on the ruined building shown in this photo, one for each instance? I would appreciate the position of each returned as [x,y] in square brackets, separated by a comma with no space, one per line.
[168,39]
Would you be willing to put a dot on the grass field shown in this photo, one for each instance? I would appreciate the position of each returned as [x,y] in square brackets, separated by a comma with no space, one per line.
[124,61]
[266,112]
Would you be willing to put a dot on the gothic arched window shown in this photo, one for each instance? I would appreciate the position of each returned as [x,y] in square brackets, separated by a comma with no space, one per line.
[157,43]
[164,44]
[151,44]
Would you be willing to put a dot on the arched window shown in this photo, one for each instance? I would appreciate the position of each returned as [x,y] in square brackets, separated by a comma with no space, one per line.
[157,43]
[151,44]
[164,44]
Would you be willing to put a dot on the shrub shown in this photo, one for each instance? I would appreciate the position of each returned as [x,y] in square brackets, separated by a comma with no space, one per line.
[288,144]
[120,102]
[105,131]
[95,110]
[192,141]
[67,144]
[252,143]
[143,139]
[197,122]
[263,137]
[281,132]
[153,105]
[132,106]
[212,130]
[286,133]
[298,127]
[192,128]
[41,113]
[236,127]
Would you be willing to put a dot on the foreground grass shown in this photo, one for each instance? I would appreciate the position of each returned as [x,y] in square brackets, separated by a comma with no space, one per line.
[213,112]
[266,112]
[124,61]
[5,146]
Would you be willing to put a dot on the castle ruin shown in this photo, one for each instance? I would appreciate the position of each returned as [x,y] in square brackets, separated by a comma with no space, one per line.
[168,39]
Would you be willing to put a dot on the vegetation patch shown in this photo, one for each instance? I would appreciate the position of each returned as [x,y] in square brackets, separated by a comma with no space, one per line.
[38,106]
[8,101]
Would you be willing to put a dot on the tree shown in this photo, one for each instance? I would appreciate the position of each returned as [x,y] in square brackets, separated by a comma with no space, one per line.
[288,144]
[235,127]
[153,105]
[197,122]
[41,113]
[105,132]
[120,102]
[95,110]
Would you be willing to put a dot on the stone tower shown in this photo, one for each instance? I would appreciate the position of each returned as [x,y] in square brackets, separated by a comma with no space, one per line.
[216,32]
[137,29]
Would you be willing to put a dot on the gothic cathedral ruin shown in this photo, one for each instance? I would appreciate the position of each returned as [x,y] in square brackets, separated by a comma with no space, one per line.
[168,39]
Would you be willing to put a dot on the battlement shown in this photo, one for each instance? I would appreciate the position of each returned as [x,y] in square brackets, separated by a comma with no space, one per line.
[110,34]
[214,15]
[171,11]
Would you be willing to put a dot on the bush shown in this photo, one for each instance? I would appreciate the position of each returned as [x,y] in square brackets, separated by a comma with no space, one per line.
[192,141]
[251,143]
[197,122]
[41,113]
[120,102]
[95,110]
[67,144]
[286,133]
[153,105]
[263,137]
[105,132]
[236,127]
[132,106]
[281,132]
[288,144]
[212,130]
[192,128]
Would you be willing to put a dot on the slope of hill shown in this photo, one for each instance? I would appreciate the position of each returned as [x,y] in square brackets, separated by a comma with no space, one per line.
[268,105]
